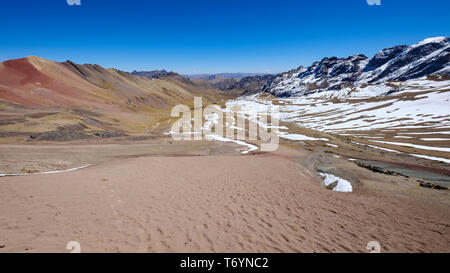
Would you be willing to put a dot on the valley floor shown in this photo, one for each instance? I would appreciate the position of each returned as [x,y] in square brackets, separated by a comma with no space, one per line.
[207,197]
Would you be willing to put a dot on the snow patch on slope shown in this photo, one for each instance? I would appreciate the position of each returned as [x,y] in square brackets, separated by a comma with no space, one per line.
[342,184]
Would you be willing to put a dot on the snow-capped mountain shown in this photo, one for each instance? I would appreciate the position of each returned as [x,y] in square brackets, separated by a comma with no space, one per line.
[384,73]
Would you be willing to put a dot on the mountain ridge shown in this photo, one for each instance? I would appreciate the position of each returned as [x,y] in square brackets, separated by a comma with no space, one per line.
[430,57]
[45,100]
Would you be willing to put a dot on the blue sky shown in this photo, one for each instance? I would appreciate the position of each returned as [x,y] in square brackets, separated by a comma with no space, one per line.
[196,36]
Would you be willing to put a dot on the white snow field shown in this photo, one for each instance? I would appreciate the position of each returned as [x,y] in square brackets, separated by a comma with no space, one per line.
[421,111]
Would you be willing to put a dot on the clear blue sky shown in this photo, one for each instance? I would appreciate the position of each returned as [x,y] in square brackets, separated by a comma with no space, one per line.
[196,36]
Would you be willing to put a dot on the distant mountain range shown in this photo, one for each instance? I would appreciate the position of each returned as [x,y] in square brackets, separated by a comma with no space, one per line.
[221,81]
[154,74]
[37,81]
[206,77]
[219,76]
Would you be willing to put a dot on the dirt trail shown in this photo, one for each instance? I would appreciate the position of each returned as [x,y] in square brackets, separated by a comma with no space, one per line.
[260,203]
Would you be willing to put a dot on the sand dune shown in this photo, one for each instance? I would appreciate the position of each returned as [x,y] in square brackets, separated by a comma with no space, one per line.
[260,203]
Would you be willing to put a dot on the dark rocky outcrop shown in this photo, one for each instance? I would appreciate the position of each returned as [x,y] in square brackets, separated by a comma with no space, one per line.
[378,169]
[424,184]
